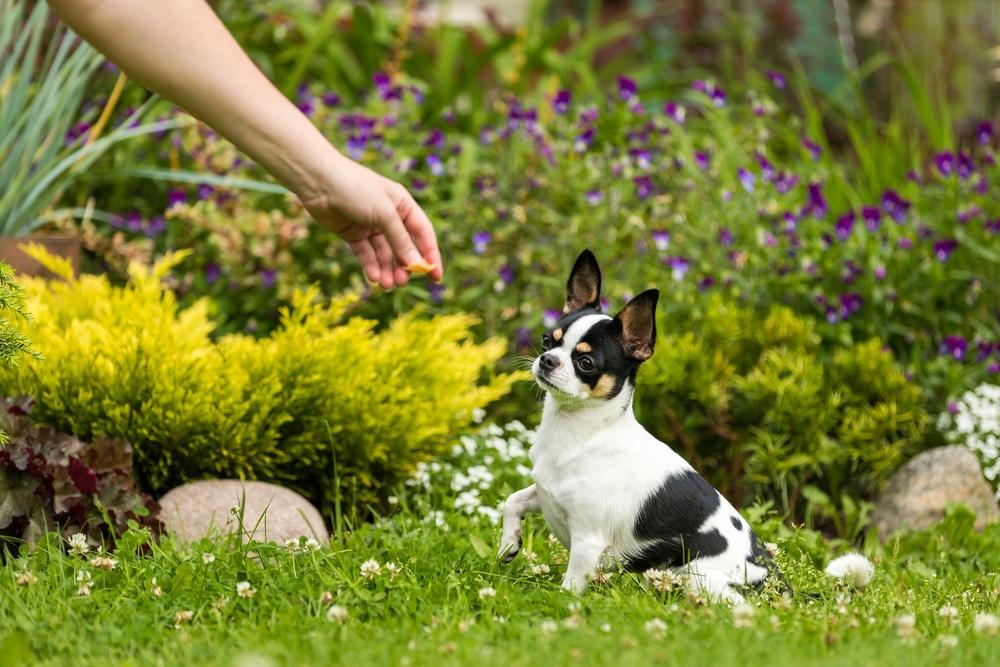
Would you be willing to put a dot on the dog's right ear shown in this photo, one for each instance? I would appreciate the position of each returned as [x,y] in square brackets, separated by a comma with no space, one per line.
[583,290]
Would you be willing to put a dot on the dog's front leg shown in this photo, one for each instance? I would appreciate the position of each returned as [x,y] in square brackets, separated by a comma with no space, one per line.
[585,553]
[514,508]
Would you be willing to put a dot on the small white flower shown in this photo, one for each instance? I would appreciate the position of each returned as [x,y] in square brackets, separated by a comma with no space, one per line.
[245,590]
[549,626]
[393,501]
[986,624]
[312,545]
[478,414]
[83,581]
[393,570]
[181,617]
[656,627]
[948,641]
[78,544]
[487,592]
[465,624]
[102,562]
[906,625]
[540,569]
[853,569]
[156,590]
[293,544]
[337,613]
[370,569]
[26,578]
[743,615]
[772,549]
[326,598]
[208,558]
[948,613]
[605,627]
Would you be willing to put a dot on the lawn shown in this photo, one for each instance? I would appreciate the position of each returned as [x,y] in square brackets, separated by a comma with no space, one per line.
[421,585]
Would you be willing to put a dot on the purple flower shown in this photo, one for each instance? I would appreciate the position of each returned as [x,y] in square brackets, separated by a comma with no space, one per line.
[212,273]
[675,112]
[718,97]
[767,171]
[418,184]
[984,133]
[506,274]
[905,243]
[945,163]
[205,191]
[561,102]
[895,206]
[725,237]
[850,303]
[434,139]
[436,292]
[479,242]
[594,197]
[705,283]
[583,140]
[589,115]
[176,197]
[851,272]
[356,146]
[791,222]
[967,214]
[777,78]
[604,304]
[984,350]
[954,346]
[267,278]
[331,99]
[816,205]
[953,407]
[992,226]
[643,186]
[156,226]
[661,239]
[785,183]
[133,221]
[434,164]
[523,337]
[382,83]
[626,88]
[746,179]
[678,267]
[943,248]
[880,272]
[965,165]
[813,148]
[77,131]
[845,225]
[700,86]
[702,160]
[872,216]
[641,157]
[550,317]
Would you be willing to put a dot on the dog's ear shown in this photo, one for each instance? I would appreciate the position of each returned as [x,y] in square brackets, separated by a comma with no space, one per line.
[583,290]
[637,323]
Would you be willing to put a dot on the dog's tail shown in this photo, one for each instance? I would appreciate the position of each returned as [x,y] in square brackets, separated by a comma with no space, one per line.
[853,569]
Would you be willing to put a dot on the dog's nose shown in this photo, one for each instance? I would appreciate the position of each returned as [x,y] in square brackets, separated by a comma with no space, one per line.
[548,361]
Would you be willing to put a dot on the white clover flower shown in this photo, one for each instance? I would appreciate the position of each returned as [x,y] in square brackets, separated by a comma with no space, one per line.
[312,544]
[656,627]
[293,544]
[245,590]
[103,562]
[78,544]
[83,582]
[370,569]
[326,598]
[487,592]
[772,549]
[478,415]
[948,613]
[906,625]
[540,569]
[155,588]
[181,617]
[743,615]
[548,626]
[662,581]
[986,624]
[948,641]
[853,569]
[393,501]
[208,558]
[393,570]
[26,578]
[337,614]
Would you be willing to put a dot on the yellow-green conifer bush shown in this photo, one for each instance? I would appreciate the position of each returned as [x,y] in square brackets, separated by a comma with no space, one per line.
[322,398]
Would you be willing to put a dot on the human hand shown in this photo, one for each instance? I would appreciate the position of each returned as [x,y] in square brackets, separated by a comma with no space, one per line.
[383,225]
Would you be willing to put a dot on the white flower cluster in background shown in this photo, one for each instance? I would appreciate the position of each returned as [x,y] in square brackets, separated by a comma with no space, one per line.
[479,469]
[974,421]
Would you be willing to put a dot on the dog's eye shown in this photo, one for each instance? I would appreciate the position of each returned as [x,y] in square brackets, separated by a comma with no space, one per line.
[585,364]
[546,341]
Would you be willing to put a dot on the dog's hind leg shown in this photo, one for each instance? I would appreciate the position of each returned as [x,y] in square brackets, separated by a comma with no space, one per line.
[514,508]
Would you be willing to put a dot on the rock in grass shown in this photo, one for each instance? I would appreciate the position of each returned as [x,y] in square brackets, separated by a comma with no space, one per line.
[917,494]
[269,513]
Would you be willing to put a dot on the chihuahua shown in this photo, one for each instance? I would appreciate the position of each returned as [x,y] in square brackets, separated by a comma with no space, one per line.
[610,491]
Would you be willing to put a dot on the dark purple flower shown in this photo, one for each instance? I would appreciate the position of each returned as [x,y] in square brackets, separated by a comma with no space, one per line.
[850,303]
[872,216]
[643,186]
[133,221]
[267,278]
[992,226]
[176,197]
[746,179]
[777,78]
[725,237]
[965,165]
[851,272]
[506,274]
[523,337]
[984,350]
[641,157]
[945,163]
[561,102]
[943,248]
[895,206]
[705,283]
[436,292]
[984,133]
[982,185]
[661,239]
[550,317]
[813,148]
[675,112]
[480,240]
[845,225]
[954,346]
[993,368]
[905,243]
[434,164]
[583,140]
[382,83]
[76,132]
[626,88]
[718,97]
[356,146]
[589,115]
[331,99]
[212,273]
[784,183]
[434,139]
[700,86]
[967,214]
[791,223]
[678,267]
[418,184]
[156,226]
[594,197]
[816,205]
[604,304]
[702,160]
[767,171]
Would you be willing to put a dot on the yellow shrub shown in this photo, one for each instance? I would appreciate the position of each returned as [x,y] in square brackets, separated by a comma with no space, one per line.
[320,397]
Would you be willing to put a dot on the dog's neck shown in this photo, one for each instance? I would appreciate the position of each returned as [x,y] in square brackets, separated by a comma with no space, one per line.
[579,420]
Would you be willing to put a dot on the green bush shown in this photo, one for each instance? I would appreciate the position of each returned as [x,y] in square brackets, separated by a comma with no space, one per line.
[317,401]
[753,403]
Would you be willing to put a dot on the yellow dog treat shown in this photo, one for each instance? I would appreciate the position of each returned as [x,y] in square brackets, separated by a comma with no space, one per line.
[420,268]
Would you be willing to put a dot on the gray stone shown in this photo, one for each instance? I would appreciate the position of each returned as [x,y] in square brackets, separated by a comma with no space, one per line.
[917,494]
[270,513]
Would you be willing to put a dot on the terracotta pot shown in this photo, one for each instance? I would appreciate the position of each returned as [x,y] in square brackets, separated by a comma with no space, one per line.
[60,245]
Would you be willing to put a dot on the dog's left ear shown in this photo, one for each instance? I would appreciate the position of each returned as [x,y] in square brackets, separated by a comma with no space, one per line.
[637,322]
[583,289]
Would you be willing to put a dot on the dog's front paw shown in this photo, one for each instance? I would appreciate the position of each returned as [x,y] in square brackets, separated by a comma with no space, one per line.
[509,549]
[574,584]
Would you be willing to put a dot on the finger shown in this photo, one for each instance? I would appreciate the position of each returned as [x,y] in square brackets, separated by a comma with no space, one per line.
[393,228]
[365,253]
[400,275]
[384,254]
[420,229]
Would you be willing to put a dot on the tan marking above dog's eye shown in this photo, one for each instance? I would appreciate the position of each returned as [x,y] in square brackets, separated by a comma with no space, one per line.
[557,335]
[584,347]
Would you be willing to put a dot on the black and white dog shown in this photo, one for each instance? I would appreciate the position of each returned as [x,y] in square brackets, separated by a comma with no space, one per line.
[610,491]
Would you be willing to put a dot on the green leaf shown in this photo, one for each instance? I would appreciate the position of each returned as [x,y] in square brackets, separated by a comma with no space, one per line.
[479,546]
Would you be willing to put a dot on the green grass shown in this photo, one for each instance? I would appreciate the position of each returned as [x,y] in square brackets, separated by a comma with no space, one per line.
[432,612]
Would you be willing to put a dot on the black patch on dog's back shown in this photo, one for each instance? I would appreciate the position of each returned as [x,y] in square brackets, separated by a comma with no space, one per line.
[737,524]
[672,516]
